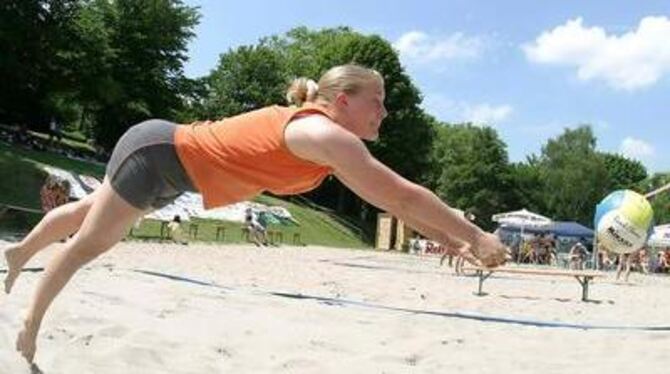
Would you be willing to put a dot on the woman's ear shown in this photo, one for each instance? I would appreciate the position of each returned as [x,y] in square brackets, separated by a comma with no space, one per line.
[342,99]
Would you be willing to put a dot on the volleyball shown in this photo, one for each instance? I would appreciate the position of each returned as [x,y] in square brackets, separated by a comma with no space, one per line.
[623,221]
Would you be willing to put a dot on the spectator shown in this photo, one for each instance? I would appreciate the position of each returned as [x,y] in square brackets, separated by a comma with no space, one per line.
[625,260]
[176,231]
[415,244]
[629,260]
[662,263]
[527,252]
[551,244]
[577,256]
[604,260]
[643,260]
[55,192]
[257,233]
[54,131]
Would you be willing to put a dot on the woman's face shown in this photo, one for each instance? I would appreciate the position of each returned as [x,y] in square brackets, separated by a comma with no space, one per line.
[364,111]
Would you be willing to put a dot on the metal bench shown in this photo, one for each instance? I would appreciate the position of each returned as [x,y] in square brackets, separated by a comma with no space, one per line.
[221,232]
[582,276]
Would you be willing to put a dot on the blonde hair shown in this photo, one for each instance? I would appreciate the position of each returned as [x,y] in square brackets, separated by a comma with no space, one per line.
[348,78]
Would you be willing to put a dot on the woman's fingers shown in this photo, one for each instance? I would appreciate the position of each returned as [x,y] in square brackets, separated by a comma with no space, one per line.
[467,254]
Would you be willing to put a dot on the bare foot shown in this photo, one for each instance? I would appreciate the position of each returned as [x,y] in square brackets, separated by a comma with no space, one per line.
[25,342]
[14,266]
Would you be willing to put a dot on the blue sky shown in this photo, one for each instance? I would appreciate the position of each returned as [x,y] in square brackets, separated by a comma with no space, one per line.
[527,68]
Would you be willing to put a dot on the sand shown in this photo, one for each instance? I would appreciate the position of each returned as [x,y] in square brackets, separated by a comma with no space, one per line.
[113,319]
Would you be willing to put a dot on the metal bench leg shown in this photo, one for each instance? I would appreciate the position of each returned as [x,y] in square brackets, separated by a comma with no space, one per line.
[482,277]
[585,286]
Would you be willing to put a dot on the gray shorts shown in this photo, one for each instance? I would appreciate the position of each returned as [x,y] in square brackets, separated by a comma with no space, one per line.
[145,169]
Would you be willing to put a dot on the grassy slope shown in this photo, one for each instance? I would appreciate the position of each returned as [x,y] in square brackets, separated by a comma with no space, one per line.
[21,178]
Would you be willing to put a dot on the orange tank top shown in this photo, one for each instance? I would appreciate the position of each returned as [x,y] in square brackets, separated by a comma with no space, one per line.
[237,158]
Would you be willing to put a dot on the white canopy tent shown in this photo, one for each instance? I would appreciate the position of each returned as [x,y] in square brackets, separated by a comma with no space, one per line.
[660,236]
[521,218]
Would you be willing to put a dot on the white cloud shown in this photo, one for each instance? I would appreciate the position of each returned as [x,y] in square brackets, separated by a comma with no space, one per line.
[630,61]
[637,149]
[417,46]
[556,127]
[461,112]
[486,114]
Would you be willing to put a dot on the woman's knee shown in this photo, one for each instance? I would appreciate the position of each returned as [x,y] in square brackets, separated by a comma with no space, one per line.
[84,206]
[79,207]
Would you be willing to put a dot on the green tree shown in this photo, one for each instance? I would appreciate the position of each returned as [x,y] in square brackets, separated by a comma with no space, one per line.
[623,172]
[575,175]
[474,172]
[528,189]
[106,64]
[194,94]
[34,38]
[661,202]
[246,78]
[149,40]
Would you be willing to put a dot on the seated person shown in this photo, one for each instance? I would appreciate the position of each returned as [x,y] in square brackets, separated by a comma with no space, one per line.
[257,233]
[176,231]
[54,193]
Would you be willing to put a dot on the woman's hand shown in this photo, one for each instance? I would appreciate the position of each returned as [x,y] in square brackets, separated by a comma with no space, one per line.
[490,251]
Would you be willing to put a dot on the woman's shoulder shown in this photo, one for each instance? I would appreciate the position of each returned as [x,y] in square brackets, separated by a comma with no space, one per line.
[315,137]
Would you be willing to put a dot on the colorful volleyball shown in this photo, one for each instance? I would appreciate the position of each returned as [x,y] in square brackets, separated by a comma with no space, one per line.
[623,221]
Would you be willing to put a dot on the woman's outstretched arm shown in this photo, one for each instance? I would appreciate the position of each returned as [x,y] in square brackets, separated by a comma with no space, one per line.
[328,143]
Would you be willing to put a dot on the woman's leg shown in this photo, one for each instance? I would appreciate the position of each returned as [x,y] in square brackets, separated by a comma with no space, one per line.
[629,263]
[620,266]
[445,255]
[57,224]
[105,224]
[460,262]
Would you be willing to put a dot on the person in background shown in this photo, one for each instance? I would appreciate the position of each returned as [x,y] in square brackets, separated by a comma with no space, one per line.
[256,231]
[54,131]
[262,220]
[630,260]
[54,192]
[176,231]
[605,262]
[662,264]
[577,256]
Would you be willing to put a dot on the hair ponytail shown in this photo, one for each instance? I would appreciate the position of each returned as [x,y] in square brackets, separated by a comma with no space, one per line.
[302,90]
